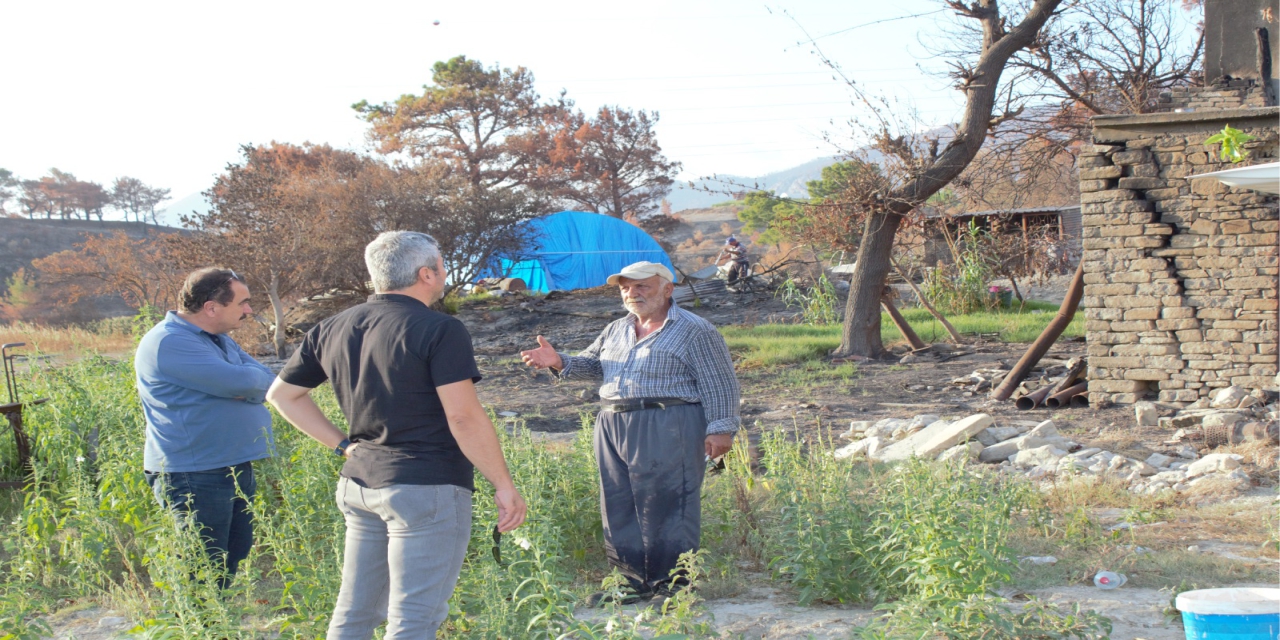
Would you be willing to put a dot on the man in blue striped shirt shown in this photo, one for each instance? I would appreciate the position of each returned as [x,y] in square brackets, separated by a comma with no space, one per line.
[203,396]
[669,401]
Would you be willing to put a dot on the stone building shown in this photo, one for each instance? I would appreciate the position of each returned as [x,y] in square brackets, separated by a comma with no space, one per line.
[1181,272]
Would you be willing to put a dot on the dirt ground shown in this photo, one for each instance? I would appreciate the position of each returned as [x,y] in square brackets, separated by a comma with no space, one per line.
[883,389]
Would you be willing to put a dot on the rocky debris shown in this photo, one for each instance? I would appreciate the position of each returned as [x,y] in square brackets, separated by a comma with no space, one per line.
[936,438]
[968,452]
[1214,462]
[866,446]
[981,379]
[1228,398]
[1046,456]
[1039,452]
[1146,414]
[1229,416]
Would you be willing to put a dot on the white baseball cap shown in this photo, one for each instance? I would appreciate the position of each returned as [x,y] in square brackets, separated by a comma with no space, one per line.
[640,271]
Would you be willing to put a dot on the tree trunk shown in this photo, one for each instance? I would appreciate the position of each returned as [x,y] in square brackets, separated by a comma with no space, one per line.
[1050,335]
[616,195]
[861,332]
[277,307]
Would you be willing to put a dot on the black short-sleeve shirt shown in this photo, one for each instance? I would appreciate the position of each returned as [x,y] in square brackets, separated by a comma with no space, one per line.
[386,358]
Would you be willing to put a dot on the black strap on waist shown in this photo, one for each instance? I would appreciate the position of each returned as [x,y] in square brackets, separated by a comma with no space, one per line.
[641,404]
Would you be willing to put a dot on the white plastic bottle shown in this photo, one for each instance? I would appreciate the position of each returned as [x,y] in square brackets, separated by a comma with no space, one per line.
[1109,580]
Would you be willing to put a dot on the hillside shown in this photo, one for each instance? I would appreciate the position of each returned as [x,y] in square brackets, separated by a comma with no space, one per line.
[706,192]
[22,241]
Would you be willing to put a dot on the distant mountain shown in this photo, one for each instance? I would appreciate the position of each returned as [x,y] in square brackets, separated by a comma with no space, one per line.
[791,182]
[194,203]
[705,192]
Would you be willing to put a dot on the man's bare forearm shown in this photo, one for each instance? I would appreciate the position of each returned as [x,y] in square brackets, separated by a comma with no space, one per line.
[479,442]
[294,403]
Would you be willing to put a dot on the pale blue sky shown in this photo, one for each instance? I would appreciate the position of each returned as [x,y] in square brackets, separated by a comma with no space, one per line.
[167,91]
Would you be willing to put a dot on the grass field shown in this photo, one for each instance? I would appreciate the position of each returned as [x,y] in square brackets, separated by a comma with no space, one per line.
[105,338]
[765,345]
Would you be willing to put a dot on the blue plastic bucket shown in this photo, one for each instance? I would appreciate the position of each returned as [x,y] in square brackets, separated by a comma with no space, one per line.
[1241,613]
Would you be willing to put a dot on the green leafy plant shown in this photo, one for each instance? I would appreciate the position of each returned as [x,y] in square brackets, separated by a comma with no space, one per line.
[962,287]
[819,304]
[1232,141]
[984,616]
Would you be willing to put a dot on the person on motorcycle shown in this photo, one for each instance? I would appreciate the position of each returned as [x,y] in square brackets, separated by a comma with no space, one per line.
[739,267]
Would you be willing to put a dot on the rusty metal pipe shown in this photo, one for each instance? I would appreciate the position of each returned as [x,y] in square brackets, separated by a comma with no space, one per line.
[1033,399]
[1080,400]
[1063,398]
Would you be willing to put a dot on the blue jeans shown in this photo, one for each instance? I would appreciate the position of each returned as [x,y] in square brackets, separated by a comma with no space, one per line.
[404,548]
[225,521]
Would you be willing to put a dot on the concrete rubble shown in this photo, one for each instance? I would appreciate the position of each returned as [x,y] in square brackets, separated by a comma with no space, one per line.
[1041,453]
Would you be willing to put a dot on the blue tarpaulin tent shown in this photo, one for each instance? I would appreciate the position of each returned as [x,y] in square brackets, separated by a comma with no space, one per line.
[576,250]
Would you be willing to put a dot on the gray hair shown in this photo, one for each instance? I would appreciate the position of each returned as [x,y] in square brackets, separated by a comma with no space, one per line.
[394,257]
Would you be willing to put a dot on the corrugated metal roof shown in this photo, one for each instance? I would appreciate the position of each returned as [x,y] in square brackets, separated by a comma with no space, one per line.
[997,212]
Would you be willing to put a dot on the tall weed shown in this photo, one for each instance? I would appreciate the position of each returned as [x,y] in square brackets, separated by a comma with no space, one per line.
[919,530]
[818,305]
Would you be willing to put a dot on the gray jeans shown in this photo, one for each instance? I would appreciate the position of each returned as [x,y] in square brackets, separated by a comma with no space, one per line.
[404,549]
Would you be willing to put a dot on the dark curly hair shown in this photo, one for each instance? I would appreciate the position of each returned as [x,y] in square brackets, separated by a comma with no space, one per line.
[203,285]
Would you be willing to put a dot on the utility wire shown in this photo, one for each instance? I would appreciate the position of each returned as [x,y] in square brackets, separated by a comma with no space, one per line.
[834,33]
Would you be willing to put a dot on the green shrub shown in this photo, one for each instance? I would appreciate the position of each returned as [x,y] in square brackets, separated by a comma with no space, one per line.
[819,304]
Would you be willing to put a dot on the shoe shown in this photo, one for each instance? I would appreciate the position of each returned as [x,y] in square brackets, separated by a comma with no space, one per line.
[628,596]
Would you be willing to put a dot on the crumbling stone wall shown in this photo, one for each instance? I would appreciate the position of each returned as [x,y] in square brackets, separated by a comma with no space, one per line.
[1225,93]
[1180,273]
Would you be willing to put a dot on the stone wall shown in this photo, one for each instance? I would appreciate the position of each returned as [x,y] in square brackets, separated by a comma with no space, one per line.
[1180,273]
[1225,93]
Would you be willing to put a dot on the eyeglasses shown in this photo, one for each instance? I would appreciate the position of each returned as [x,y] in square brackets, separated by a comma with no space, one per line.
[233,276]
[497,549]
[715,466]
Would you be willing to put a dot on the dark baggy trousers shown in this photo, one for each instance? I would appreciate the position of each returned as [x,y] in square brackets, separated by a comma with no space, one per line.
[651,467]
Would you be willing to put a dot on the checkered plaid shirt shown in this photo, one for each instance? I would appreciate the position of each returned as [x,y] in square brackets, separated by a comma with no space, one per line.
[686,358]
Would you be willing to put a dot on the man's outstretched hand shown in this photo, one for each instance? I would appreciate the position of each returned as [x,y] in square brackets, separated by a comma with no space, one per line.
[543,357]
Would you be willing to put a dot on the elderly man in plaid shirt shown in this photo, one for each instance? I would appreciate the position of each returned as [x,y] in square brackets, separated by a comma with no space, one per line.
[668,402]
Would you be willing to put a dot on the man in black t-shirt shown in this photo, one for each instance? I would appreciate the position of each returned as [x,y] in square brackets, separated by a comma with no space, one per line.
[403,375]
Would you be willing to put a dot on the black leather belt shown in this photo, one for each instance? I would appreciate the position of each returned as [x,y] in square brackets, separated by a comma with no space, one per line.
[640,404]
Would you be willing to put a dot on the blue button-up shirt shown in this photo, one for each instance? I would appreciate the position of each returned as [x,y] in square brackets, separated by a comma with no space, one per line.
[202,397]
[686,358]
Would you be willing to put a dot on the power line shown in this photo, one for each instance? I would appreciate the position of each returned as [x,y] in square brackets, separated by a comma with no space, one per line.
[915,15]
[728,75]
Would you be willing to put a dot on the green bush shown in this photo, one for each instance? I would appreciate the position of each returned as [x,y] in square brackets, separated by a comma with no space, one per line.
[919,530]
[962,287]
[819,304]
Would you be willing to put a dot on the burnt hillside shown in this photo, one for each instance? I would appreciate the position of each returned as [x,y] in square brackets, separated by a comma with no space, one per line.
[22,240]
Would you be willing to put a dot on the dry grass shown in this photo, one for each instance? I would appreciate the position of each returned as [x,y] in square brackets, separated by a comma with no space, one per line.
[1261,460]
[65,341]
[1156,552]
